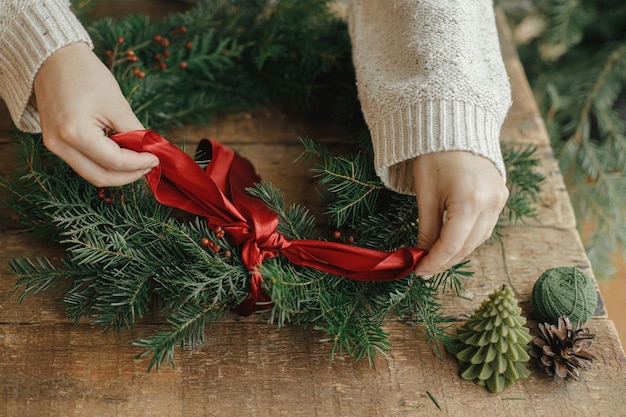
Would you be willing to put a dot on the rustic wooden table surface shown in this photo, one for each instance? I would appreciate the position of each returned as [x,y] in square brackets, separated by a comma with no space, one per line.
[49,367]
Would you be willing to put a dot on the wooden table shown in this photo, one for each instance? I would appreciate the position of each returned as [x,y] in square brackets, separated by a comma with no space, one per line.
[49,367]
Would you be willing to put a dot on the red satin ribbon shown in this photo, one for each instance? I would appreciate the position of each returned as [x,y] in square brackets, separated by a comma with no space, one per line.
[219,194]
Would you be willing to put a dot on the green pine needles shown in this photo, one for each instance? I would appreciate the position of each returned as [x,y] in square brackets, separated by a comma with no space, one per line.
[576,64]
[127,255]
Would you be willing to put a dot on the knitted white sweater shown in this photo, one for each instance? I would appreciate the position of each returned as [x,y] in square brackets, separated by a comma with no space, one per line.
[429,73]
[31,31]
[430,78]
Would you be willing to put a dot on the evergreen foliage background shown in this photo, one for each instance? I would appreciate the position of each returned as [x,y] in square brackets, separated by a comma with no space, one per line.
[574,53]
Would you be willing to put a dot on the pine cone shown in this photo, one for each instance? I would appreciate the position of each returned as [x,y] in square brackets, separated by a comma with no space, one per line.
[562,349]
[492,344]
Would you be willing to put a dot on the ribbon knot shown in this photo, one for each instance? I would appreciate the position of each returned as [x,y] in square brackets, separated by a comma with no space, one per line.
[219,194]
[273,245]
[255,250]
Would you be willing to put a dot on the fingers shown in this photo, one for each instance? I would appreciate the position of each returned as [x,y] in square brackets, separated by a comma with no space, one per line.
[77,97]
[459,198]
[458,238]
[124,167]
[98,158]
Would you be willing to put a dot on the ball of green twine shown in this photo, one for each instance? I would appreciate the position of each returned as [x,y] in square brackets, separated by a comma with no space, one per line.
[564,291]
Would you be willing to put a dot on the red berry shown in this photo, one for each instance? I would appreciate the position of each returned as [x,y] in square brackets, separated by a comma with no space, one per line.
[165,42]
[130,52]
[141,74]
[162,65]
[166,54]
[182,29]
[182,65]
[157,57]
[120,40]
[206,242]
[135,70]
[337,234]
[157,38]
[109,52]
[350,239]
[188,45]
[133,58]
[228,254]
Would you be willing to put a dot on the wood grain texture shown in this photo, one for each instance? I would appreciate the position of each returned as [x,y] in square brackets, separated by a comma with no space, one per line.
[248,369]
[49,367]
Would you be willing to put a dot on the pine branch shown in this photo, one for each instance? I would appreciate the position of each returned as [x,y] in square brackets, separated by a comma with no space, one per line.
[565,23]
[416,299]
[355,330]
[523,181]
[295,223]
[576,68]
[350,185]
[453,278]
[294,292]
[34,276]
[187,327]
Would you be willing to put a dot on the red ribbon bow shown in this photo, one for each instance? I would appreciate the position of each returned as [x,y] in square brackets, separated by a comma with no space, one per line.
[219,194]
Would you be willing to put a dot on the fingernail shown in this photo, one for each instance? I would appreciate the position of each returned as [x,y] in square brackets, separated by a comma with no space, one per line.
[424,275]
[147,170]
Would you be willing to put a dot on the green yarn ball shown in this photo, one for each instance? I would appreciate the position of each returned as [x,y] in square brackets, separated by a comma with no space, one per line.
[564,291]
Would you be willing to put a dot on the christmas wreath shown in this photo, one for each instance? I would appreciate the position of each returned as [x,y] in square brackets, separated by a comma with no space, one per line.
[128,251]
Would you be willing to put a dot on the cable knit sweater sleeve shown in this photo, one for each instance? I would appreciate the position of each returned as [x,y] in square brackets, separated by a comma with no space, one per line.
[430,78]
[31,31]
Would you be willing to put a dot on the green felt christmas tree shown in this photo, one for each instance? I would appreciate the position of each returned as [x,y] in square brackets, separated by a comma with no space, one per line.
[491,345]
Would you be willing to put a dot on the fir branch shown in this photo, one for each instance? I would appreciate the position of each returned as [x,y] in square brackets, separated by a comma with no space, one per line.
[34,276]
[523,181]
[416,299]
[354,328]
[349,184]
[391,228]
[565,23]
[187,326]
[452,278]
[580,90]
[294,223]
[294,292]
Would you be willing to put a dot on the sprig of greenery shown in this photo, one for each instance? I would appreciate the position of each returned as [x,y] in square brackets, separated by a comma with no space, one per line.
[576,63]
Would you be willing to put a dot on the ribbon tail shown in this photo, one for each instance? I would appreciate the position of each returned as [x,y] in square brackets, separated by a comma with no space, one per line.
[353,262]
[256,300]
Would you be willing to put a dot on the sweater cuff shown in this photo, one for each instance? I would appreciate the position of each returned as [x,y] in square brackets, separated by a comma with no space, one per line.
[427,127]
[32,31]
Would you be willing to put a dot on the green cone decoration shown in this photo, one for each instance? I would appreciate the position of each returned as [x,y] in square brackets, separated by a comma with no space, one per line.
[492,344]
